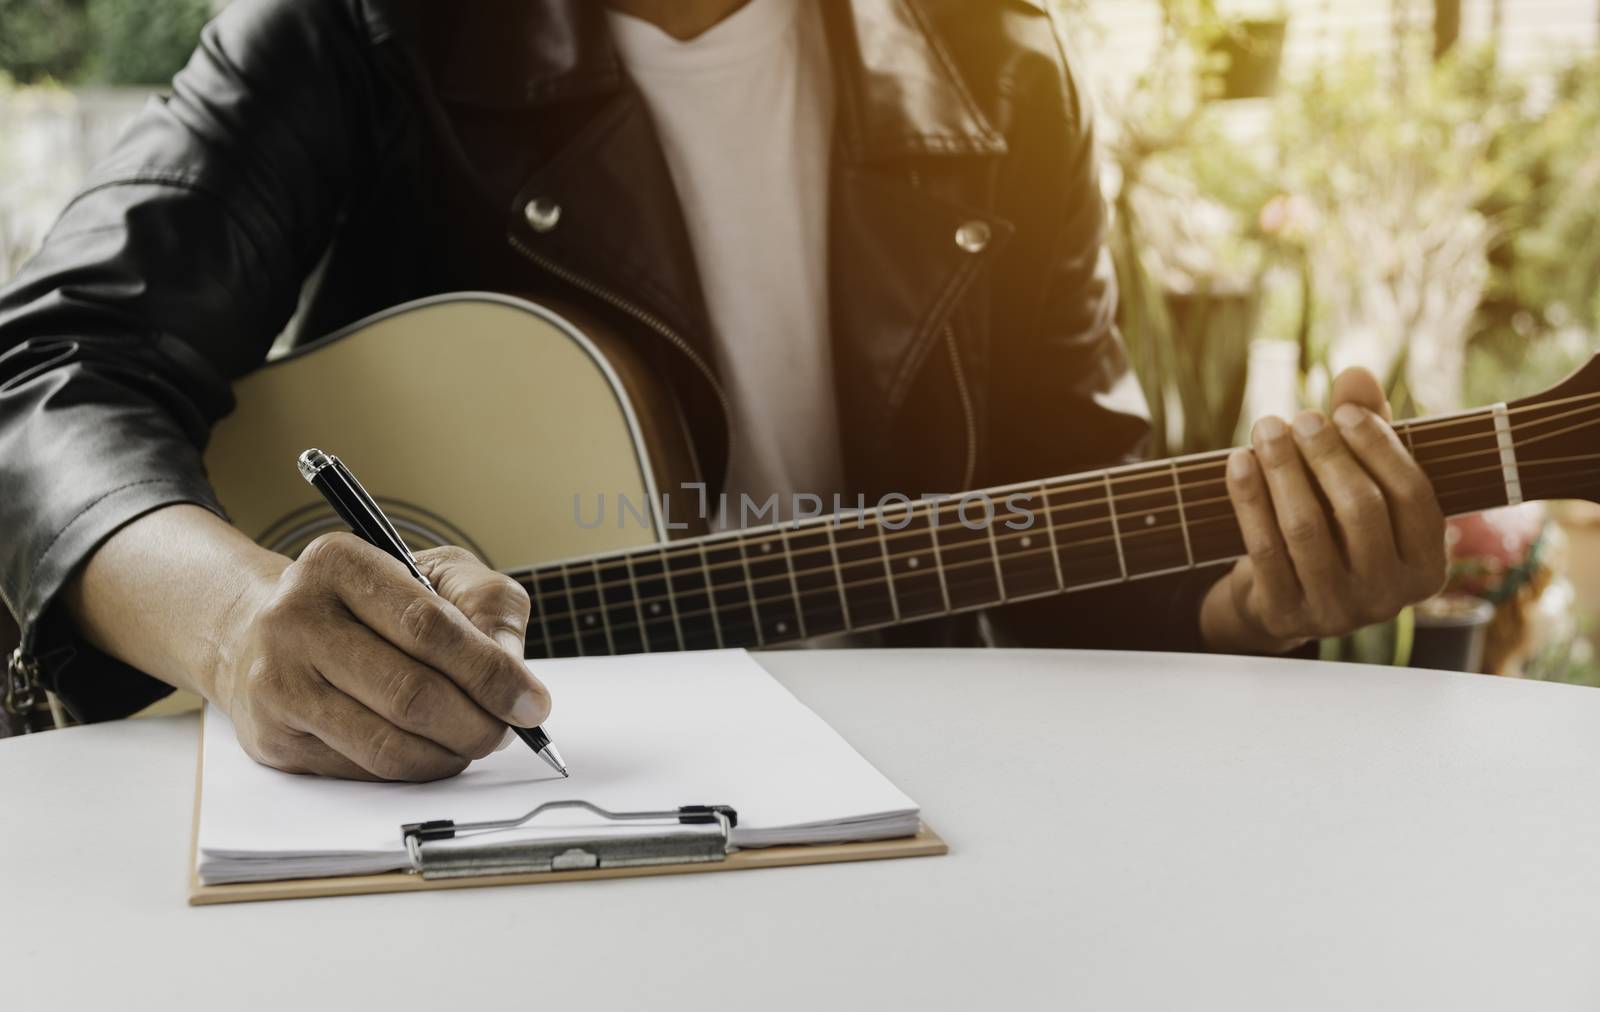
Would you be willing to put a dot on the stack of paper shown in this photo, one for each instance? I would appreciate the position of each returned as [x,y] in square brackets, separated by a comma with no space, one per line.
[641,732]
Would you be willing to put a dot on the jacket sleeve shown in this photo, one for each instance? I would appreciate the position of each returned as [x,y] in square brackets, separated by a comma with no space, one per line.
[1064,397]
[164,279]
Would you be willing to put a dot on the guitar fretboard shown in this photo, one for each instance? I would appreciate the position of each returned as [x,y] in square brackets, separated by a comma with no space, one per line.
[907,561]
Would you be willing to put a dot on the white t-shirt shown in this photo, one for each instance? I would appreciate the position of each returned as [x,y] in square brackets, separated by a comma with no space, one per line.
[745,116]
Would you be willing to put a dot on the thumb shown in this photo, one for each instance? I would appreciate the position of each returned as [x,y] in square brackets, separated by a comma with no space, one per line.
[1359,387]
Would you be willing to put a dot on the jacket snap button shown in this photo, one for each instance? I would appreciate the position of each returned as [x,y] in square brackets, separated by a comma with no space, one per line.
[974,236]
[542,213]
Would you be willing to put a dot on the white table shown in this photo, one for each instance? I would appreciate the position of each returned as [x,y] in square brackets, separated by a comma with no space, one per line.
[1126,831]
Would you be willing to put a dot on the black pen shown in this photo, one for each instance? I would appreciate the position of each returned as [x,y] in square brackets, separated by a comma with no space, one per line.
[329,476]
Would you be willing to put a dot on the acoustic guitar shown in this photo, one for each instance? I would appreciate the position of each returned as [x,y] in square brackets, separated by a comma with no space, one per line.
[544,445]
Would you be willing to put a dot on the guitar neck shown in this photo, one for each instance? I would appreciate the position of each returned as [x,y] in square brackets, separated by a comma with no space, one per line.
[906,561]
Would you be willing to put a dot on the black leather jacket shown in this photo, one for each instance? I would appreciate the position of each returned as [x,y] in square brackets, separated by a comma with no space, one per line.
[338,156]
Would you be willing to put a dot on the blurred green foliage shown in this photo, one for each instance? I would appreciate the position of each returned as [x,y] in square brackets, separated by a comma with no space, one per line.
[110,42]
[42,39]
[1541,313]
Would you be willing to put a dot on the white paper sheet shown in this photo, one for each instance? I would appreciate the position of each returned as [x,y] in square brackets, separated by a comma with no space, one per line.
[640,732]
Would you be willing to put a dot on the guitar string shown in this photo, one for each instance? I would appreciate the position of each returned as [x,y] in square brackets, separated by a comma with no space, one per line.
[928,512]
[987,560]
[979,566]
[876,558]
[872,517]
[552,639]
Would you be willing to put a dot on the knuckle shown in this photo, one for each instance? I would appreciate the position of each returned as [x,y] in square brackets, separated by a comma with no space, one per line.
[265,679]
[278,749]
[1282,623]
[410,700]
[422,619]
[327,550]
[387,756]
[448,553]
[516,594]
[1265,553]
[1365,505]
[483,671]
[1302,529]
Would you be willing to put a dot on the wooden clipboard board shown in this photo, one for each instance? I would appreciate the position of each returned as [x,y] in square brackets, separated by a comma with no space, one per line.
[925,844]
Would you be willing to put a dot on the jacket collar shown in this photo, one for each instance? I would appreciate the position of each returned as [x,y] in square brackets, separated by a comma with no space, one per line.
[900,93]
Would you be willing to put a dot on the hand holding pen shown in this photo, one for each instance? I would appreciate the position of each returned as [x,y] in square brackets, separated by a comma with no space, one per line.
[449,684]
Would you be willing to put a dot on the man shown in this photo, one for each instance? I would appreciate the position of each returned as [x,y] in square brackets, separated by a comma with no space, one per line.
[861,238]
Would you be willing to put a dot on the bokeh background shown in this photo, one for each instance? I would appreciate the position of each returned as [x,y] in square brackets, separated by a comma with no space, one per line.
[1297,185]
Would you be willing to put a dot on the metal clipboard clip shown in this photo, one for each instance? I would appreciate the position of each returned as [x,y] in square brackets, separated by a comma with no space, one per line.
[687,835]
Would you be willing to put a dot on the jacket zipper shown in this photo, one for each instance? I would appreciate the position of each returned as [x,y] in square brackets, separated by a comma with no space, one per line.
[645,317]
[22,685]
[966,407]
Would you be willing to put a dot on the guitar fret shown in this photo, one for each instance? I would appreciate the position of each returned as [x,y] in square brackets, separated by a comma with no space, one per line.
[592,639]
[1028,563]
[1081,518]
[620,599]
[1149,532]
[750,592]
[844,603]
[1050,529]
[711,598]
[859,551]
[966,548]
[888,574]
[913,563]
[691,598]
[777,613]
[938,559]
[672,600]
[732,597]
[794,585]
[638,605]
[530,646]
[605,622]
[1208,513]
[652,603]
[994,548]
[556,613]
[817,584]
[1183,520]
[1116,532]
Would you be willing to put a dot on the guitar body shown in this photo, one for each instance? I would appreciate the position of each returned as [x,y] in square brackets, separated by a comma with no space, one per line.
[473,419]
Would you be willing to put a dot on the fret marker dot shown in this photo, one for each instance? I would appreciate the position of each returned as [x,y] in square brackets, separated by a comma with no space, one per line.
[589,620]
[766,546]
[1149,519]
[783,627]
[655,609]
[913,563]
[1026,541]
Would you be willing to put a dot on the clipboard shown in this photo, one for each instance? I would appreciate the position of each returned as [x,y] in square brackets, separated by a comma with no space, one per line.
[699,843]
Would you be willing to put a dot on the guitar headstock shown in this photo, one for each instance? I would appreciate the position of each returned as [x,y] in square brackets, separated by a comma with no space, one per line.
[1556,437]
